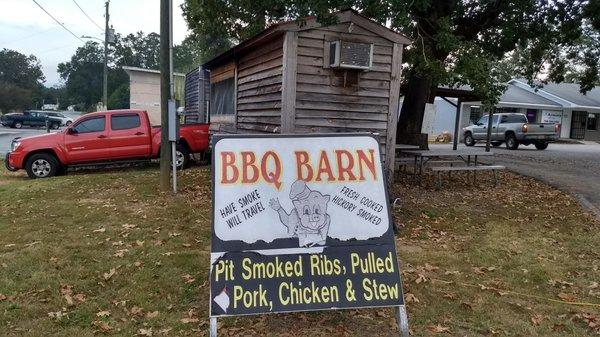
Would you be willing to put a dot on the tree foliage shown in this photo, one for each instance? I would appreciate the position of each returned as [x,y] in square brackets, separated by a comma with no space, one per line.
[83,73]
[21,79]
[455,42]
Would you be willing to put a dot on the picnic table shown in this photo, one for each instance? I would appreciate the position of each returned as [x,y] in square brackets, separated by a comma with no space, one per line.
[423,156]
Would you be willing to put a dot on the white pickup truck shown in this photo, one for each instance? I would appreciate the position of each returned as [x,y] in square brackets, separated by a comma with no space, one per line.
[512,129]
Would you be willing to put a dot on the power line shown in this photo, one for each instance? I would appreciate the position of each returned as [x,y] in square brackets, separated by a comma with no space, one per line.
[87,16]
[55,20]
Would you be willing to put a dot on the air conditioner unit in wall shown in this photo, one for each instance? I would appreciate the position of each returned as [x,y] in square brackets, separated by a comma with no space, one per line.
[350,55]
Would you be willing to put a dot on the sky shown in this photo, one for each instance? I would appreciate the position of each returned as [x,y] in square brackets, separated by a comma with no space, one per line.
[24,27]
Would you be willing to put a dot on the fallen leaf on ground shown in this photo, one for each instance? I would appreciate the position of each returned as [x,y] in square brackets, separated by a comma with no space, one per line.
[2,297]
[420,278]
[136,310]
[410,298]
[69,300]
[537,319]
[104,313]
[145,332]
[567,297]
[100,230]
[188,278]
[152,314]
[188,320]
[110,274]
[438,329]
[79,297]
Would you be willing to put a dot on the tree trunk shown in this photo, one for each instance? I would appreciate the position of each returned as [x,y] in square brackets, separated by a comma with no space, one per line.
[413,109]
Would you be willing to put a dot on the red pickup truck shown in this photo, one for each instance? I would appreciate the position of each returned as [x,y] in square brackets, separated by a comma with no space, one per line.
[101,137]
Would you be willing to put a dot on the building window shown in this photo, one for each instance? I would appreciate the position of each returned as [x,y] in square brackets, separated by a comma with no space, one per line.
[221,97]
[532,115]
[592,122]
[475,114]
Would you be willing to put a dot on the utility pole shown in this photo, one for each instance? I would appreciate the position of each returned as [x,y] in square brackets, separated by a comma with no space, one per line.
[165,93]
[105,82]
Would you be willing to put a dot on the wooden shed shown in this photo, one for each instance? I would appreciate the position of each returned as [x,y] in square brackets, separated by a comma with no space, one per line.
[304,77]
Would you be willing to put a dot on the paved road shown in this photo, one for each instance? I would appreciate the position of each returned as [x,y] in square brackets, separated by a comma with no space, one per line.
[7,134]
[573,168]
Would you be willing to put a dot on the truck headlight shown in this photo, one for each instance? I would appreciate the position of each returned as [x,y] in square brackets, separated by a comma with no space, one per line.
[14,145]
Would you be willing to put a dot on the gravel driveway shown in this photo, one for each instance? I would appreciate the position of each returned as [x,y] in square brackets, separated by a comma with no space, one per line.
[573,168]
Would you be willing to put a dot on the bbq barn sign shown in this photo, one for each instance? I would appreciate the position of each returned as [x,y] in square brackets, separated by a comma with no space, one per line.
[300,223]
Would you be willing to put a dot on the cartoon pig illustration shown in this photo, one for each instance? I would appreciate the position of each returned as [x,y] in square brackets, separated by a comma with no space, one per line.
[308,220]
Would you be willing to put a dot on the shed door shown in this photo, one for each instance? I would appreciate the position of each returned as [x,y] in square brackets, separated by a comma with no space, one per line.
[578,124]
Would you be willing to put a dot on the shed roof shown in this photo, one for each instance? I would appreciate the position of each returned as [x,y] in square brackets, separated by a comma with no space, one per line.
[280,28]
[514,94]
[571,93]
[143,70]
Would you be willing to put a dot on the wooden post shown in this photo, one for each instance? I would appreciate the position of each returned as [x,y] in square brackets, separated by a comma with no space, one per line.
[288,87]
[456,125]
[392,122]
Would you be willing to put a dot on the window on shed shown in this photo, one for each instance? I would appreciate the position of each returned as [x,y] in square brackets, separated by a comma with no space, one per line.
[221,97]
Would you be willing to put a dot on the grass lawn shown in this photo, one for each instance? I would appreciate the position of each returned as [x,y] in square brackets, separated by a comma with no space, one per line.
[106,253]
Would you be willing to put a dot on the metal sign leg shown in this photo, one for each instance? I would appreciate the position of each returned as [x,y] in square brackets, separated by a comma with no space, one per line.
[213,327]
[402,320]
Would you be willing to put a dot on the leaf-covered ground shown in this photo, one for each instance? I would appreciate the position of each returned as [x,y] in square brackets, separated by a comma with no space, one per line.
[105,253]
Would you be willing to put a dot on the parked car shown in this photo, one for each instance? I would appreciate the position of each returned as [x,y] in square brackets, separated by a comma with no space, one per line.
[29,118]
[100,138]
[65,121]
[512,129]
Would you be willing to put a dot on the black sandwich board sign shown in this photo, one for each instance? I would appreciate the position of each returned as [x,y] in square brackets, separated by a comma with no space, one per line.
[301,223]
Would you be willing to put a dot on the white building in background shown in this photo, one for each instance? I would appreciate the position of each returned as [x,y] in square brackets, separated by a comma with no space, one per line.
[562,103]
[144,91]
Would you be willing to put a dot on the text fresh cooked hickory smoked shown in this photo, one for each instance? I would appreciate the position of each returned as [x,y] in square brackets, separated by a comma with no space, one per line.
[300,223]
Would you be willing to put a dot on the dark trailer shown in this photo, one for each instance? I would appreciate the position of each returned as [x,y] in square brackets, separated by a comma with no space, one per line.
[303,77]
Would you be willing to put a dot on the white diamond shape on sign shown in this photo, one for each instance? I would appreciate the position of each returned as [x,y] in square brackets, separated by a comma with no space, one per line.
[222,300]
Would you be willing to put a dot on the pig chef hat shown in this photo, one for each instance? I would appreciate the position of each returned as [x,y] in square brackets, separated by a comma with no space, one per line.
[299,190]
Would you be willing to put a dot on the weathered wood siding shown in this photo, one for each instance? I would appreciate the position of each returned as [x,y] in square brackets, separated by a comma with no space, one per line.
[259,81]
[329,100]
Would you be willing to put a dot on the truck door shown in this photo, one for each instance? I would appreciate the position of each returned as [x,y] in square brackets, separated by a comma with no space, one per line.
[87,141]
[128,137]
[496,128]
[480,128]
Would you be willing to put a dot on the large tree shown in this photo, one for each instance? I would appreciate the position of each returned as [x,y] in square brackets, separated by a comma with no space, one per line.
[83,75]
[21,78]
[455,42]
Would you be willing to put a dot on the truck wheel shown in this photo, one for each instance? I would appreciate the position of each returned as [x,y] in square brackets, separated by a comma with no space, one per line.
[541,145]
[469,141]
[17,125]
[41,165]
[496,144]
[182,157]
[511,142]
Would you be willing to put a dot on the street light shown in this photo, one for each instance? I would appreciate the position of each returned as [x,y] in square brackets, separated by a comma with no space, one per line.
[105,76]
